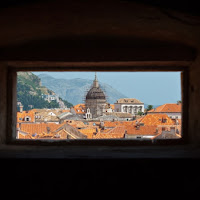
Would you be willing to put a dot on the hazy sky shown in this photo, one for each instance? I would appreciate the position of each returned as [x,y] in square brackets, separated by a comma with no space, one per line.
[154,88]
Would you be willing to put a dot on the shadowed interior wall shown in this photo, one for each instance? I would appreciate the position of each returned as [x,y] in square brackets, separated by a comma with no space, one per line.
[103,31]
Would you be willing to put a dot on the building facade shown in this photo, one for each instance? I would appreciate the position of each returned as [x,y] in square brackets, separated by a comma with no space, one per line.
[129,105]
[95,100]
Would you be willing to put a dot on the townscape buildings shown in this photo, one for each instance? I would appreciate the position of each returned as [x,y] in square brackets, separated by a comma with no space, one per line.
[98,119]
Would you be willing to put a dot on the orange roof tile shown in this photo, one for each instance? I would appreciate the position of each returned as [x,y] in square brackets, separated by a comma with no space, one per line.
[63,111]
[155,119]
[169,107]
[22,115]
[110,124]
[22,136]
[28,129]
[128,100]
[76,124]
[79,108]
[89,132]
[112,106]
[142,130]
[117,132]
[38,128]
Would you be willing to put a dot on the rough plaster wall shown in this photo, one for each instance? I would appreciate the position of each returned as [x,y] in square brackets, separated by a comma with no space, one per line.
[3,86]
[119,19]
[194,98]
[109,18]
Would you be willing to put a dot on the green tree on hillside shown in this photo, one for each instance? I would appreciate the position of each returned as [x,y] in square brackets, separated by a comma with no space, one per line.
[29,92]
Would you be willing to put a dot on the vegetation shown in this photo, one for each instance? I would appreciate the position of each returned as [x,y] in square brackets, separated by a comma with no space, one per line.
[29,91]
[140,113]
[69,105]
[149,107]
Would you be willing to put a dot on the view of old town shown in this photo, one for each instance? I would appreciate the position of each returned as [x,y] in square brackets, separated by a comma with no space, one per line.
[97,112]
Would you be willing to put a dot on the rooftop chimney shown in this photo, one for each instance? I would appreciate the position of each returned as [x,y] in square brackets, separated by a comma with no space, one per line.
[21,108]
[48,129]
[138,126]
[156,130]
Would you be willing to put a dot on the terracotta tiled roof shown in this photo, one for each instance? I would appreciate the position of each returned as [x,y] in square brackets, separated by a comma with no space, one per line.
[155,119]
[79,108]
[142,130]
[93,124]
[128,100]
[117,132]
[169,107]
[77,124]
[61,134]
[120,114]
[22,115]
[112,106]
[63,111]
[24,136]
[38,128]
[109,124]
[89,132]
[39,131]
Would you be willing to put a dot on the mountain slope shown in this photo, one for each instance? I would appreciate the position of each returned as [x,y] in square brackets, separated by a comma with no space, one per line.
[29,91]
[74,90]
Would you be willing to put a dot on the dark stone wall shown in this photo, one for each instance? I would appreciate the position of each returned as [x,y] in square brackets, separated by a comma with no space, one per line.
[85,178]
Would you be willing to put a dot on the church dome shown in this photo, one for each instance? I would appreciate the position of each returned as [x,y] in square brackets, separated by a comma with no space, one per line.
[95,92]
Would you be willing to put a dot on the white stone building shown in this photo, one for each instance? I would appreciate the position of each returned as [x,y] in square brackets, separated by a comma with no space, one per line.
[129,105]
[49,98]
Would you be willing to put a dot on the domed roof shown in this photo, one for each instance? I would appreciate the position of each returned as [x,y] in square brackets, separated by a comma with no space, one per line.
[95,92]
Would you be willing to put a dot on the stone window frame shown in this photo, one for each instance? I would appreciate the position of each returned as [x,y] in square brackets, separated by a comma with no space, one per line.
[135,66]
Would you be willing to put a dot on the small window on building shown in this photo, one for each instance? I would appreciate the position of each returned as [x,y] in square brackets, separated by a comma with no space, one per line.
[27,119]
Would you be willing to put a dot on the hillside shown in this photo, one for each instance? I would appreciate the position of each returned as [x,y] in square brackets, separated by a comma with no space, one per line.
[74,90]
[29,91]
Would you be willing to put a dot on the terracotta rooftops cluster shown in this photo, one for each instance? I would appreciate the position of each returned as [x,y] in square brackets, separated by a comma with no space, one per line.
[147,126]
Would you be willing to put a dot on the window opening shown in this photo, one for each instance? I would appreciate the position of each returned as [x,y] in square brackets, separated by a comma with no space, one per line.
[103,105]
